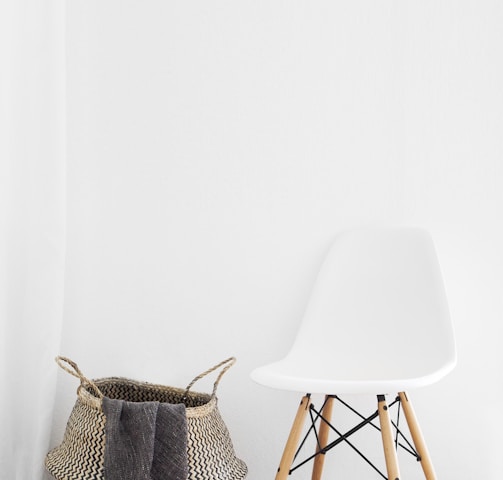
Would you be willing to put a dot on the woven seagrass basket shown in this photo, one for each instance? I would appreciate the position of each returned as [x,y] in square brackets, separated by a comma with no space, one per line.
[80,456]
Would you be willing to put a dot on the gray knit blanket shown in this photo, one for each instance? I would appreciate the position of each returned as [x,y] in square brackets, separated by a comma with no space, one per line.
[145,441]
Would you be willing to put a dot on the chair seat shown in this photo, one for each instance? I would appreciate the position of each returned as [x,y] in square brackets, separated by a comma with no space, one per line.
[286,374]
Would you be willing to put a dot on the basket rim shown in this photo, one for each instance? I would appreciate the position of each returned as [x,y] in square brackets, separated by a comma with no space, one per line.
[89,397]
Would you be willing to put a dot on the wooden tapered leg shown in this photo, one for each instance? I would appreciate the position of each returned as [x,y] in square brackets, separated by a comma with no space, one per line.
[387,440]
[293,439]
[319,460]
[417,437]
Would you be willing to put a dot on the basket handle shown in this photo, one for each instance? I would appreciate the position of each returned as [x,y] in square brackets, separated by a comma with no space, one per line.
[72,368]
[226,364]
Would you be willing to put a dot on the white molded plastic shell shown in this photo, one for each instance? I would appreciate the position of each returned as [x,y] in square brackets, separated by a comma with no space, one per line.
[377,320]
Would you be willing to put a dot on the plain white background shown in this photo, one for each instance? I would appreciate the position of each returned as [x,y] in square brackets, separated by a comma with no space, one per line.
[214,150]
[32,227]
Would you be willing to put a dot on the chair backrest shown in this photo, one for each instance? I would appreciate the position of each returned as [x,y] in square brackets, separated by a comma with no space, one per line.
[377,310]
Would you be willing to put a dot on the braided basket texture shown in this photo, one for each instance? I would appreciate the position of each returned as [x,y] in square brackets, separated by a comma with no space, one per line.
[80,456]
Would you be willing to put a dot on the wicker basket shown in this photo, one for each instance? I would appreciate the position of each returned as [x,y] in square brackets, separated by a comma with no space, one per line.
[80,456]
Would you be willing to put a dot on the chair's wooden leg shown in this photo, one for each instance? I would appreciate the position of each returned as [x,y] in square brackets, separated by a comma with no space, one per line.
[387,439]
[319,460]
[293,439]
[417,437]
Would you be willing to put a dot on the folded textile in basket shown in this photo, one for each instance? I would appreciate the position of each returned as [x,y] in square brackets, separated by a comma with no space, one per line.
[145,440]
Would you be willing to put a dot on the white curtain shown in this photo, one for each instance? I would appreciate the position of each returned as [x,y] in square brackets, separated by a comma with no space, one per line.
[32,228]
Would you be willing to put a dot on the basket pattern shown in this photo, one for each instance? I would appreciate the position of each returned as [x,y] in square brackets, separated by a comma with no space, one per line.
[210,450]
[80,456]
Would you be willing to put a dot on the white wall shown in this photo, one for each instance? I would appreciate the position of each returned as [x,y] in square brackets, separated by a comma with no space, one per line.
[32,227]
[216,148]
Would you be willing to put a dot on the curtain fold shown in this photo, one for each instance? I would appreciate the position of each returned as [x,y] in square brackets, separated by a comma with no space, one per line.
[32,228]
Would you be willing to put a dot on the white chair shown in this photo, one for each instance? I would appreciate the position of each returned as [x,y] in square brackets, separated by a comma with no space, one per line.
[377,322]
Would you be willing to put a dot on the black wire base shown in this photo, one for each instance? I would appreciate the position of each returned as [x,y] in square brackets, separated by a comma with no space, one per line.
[317,419]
